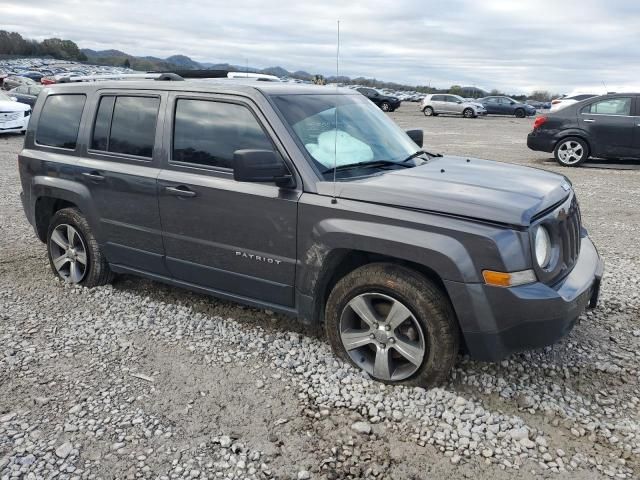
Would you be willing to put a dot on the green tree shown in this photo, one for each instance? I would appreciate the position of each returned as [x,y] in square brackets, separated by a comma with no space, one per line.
[455,90]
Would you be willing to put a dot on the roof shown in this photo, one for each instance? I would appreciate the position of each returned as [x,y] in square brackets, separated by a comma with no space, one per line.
[224,85]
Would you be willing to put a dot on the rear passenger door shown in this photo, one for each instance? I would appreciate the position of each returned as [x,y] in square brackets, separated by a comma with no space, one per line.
[120,167]
[610,125]
[438,104]
[236,238]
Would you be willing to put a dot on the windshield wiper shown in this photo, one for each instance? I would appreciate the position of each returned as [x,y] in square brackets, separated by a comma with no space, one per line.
[418,153]
[374,164]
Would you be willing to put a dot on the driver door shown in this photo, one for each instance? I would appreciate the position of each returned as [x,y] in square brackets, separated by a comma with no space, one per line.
[237,238]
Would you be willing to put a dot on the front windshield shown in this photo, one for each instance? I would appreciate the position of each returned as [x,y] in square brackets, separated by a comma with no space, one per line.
[363,133]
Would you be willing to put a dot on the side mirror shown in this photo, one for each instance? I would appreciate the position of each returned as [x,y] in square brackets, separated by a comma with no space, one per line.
[417,136]
[261,166]
[458,102]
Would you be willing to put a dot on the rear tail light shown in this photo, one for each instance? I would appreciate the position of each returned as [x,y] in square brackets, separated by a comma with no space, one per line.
[539,122]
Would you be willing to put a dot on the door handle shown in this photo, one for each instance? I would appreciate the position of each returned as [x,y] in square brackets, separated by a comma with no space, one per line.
[180,191]
[589,120]
[93,176]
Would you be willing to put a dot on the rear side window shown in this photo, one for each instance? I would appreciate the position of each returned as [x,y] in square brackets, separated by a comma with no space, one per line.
[611,106]
[126,124]
[59,121]
[208,133]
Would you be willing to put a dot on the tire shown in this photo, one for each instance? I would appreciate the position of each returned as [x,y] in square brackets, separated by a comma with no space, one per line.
[430,325]
[428,112]
[385,106]
[571,151]
[468,113]
[84,247]
[519,113]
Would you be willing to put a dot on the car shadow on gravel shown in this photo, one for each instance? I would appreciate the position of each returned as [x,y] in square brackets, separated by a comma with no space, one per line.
[212,306]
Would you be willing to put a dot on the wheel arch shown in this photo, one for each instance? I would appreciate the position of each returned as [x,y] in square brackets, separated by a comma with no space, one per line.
[53,194]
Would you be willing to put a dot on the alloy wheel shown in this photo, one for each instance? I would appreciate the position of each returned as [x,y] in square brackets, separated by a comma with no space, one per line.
[570,152]
[68,253]
[382,336]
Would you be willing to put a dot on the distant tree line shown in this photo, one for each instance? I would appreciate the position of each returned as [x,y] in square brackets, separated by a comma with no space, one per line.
[12,43]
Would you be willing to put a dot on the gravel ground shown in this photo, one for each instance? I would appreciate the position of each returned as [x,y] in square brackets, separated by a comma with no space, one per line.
[142,380]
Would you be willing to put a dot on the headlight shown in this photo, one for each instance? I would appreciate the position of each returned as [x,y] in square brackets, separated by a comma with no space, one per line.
[542,245]
[27,113]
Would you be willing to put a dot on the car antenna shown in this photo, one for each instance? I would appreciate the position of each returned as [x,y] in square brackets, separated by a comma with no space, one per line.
[334,199]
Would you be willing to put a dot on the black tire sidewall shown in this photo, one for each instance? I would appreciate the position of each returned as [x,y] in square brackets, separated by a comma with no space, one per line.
[464,113]
[385,106]
[425,300]
[428,111]
[519,113]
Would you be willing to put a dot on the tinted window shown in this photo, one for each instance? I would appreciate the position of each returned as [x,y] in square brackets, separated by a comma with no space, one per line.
[60,120]
[133,127]
[437,98]
[102,125]
[611,106]
[22,89]
[207,133]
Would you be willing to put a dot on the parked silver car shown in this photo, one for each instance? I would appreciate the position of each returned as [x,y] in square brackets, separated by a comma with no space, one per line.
[436,104]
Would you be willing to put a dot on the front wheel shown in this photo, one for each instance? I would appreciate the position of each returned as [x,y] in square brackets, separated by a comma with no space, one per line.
[520,113]
[385,106]
[73,251]
[394,324]
[468,113]
[571,152]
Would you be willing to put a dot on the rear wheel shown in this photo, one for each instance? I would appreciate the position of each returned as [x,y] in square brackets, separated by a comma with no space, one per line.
[571,151]
[468,113]
[394,324]
[73,251]
[428,112]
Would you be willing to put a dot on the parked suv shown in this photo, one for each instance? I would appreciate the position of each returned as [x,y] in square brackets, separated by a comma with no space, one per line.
[387,103]
[436,104]
[228,189]
[500,105]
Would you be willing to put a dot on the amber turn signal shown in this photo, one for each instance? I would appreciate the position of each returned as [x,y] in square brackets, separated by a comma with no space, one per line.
[508,279]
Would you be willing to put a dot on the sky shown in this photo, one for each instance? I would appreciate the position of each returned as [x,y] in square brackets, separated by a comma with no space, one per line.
[515,46]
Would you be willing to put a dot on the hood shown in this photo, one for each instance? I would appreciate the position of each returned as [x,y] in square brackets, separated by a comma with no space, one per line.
[481,189]
[9,106]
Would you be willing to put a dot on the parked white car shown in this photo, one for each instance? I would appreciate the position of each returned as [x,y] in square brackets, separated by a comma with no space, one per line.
[445,103]
[14,116]
[560,103]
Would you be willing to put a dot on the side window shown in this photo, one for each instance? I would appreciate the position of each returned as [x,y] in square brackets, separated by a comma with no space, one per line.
[59,121]
[437,98]
[208,133]
[126,124]
[611,106]
[22,89]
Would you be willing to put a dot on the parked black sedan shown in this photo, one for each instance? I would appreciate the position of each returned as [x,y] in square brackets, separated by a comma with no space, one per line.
[385,102]
[500,105]
[605,127]
[26,93]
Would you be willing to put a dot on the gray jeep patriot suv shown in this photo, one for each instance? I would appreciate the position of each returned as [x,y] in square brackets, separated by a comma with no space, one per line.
[227,188]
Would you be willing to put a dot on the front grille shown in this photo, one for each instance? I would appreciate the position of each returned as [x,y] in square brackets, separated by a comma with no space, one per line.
[569,227]
[564,225]
[10,116]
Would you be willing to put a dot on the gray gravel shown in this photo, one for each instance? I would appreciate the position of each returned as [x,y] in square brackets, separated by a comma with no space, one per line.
[142,380]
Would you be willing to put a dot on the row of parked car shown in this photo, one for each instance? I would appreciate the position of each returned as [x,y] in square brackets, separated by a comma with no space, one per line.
[447,104]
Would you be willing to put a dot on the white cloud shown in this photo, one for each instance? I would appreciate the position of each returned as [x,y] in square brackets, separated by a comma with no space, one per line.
[506,44]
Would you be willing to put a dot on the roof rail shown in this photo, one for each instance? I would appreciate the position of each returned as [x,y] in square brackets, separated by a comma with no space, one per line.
[195,73]
[121,76]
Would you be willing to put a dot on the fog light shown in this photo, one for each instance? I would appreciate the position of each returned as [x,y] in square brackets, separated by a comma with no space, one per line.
[508,279]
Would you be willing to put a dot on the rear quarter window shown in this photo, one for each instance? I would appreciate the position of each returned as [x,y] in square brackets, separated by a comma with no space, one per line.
[59,121]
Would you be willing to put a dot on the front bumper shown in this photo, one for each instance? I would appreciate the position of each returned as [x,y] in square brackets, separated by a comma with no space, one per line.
[14,125]
[496,321]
